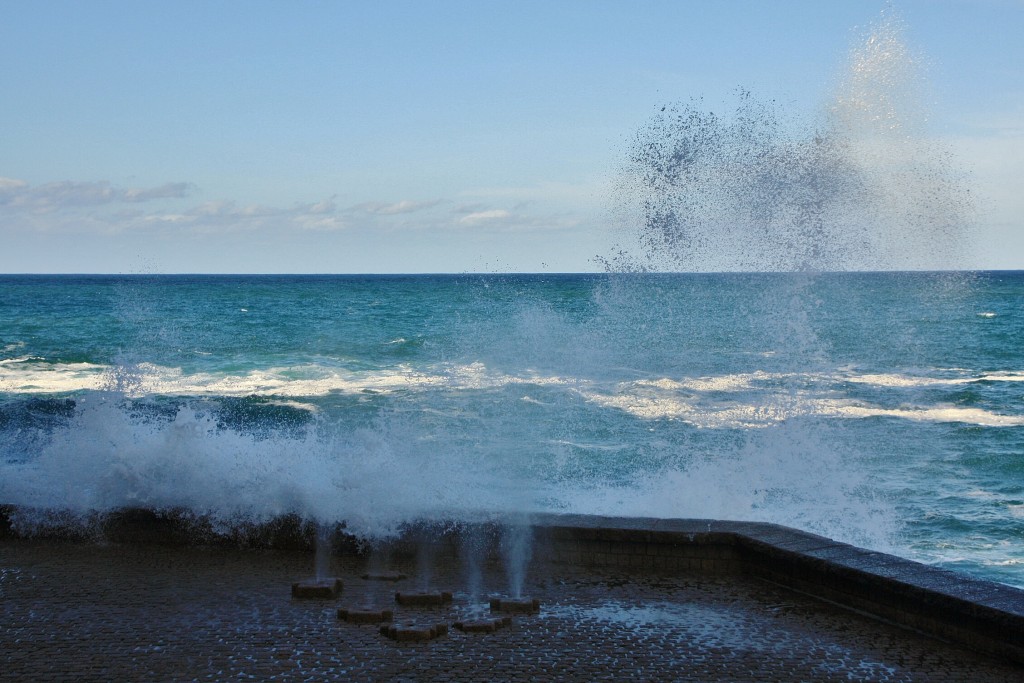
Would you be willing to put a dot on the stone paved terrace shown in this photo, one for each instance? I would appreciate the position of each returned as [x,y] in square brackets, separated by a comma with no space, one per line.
[75,611]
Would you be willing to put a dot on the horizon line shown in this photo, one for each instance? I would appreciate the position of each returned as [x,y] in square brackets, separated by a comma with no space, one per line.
[499,273]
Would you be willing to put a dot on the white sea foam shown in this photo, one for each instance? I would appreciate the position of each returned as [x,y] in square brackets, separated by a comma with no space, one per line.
[689,400]
[765,409]
[151,379]
[709,416]
[1003,377]
[21,359]
[898,380]
[731,382]
[946,413]
[26,377]
[904,380]
[294,381]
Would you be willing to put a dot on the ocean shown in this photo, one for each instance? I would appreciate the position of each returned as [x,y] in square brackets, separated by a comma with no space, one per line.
[880,409]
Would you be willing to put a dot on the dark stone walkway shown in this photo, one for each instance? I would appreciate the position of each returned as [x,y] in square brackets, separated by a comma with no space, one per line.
[137,613]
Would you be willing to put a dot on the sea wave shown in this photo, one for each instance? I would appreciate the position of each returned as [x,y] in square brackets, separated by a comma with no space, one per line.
[728,401]
[907,380]
[30,377]
[939,413]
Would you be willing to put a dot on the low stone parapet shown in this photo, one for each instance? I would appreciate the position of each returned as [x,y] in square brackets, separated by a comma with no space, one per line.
[982,615]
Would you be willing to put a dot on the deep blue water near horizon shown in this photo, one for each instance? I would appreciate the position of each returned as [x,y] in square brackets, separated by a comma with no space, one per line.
[881,409]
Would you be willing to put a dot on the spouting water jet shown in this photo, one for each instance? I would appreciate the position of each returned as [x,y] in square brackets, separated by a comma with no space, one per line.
[516,551]
[324,547]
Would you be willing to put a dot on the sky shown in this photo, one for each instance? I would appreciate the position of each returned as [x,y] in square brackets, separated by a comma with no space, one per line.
[407,137]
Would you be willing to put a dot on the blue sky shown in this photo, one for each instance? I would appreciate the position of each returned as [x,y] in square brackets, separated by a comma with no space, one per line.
[426,136]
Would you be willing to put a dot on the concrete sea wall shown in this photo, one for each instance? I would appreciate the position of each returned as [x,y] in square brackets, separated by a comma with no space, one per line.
[982,615]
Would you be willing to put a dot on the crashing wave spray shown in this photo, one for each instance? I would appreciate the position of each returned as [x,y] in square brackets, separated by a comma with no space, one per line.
[863,187]
[860,187]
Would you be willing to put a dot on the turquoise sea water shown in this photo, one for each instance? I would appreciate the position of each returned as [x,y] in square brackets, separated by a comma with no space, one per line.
[882,409]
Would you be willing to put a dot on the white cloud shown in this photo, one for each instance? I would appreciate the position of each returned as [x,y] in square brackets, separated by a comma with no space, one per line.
[66,193]
[581,194]
[227,216]
[71,194]
[165,191]
[321,223]
[190,234]
[485,216]
[324,207]
[98,207]
[214,208]
[10,184]
[404,206]
[167,218]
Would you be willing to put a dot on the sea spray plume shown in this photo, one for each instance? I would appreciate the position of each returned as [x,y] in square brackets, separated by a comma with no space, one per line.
[741,193]
[149,339]
[858,186]
[924,209]
[861,187]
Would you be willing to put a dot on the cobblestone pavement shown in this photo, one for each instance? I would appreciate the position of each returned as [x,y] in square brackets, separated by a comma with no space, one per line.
[138,613]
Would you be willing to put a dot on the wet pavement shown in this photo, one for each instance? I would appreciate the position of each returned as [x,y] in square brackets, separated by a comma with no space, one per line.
[148,613]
